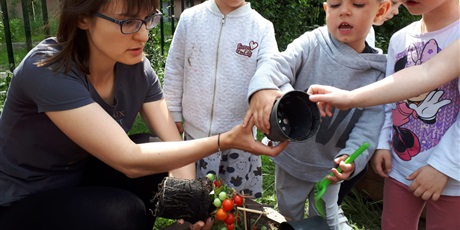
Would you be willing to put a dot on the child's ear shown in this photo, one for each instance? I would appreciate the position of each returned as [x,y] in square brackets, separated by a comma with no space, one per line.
[383,9]
[325,6]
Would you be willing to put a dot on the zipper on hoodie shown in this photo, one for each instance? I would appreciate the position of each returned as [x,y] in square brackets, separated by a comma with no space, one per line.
[215,76]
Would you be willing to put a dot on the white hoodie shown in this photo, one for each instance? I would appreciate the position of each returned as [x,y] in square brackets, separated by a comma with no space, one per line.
[211,60]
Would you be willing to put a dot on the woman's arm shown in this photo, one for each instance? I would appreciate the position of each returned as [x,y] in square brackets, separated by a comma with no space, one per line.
[406,83]
[96,132]
[160,121]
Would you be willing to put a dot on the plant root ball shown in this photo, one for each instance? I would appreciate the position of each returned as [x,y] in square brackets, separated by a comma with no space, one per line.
[184,199]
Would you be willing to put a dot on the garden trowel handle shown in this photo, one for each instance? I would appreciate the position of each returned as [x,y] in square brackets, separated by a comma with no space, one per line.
[355,154]
[325,182]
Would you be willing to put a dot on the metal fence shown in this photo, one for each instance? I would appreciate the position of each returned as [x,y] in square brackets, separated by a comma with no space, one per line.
[170,8]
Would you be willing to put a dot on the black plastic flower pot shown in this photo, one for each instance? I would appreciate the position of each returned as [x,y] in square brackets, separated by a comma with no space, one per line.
[293,118]
[311,223]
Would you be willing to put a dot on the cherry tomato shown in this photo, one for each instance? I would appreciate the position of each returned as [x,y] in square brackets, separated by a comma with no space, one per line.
[221,214]
[210,176]
[217,203]
[222,195]
[238,200]
[230,226]
[230,219]
[217,184]
[227,205]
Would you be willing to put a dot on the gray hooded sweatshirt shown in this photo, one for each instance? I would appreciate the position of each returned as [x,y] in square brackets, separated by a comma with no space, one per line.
[318,58]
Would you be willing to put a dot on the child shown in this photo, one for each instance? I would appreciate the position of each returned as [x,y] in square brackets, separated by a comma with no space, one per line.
[216,49]
[406,83]
[347,185]
[419,144]
[334,54]
[393,11]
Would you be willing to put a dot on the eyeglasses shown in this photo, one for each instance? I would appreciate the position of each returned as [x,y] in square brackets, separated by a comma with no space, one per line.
[131,26]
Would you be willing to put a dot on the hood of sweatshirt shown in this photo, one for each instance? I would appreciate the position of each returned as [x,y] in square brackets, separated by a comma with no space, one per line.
[342,52]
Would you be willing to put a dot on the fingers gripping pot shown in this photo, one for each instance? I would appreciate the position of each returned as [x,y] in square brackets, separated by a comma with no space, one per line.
[293,118]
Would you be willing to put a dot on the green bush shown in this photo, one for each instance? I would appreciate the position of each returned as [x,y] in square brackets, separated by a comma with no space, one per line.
[4,84]
[16,30]
[291,18]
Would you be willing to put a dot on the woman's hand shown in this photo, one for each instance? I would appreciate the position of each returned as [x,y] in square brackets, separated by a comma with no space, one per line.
[241,137]
[202,225]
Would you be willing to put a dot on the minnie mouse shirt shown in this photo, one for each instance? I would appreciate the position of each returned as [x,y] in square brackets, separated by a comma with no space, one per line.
[424,129]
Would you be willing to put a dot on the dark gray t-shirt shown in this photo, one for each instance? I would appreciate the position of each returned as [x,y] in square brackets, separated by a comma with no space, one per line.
[34,154]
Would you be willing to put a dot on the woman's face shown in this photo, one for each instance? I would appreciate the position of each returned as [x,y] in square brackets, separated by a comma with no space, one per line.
[107,44]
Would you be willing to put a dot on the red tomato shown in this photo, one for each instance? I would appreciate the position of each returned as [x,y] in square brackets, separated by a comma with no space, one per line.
[227,205]
[230,219]
[238,200]
[230,226]
[217,184]
[221,214]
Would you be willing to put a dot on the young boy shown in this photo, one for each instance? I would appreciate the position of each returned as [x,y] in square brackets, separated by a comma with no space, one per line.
[216,49]
[335,54]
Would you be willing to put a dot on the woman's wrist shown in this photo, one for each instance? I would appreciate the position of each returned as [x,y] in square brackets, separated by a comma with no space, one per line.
[222,141]
[218,143]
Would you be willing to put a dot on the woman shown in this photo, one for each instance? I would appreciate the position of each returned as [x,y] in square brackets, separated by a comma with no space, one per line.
[64,126]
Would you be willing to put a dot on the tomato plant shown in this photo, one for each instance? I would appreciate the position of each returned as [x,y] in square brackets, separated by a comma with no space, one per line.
[225,200]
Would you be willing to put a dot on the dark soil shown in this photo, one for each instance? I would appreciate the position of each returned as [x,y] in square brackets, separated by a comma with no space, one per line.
[185,199]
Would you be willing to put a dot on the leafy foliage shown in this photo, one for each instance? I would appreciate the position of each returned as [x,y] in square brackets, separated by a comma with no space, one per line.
[4,84]
[291,18]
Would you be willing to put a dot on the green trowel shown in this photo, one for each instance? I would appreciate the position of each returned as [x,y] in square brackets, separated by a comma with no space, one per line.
[320,187]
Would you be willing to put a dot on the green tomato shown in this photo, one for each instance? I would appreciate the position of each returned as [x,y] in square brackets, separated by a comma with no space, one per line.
[210,176]
[217,203]
[222,195]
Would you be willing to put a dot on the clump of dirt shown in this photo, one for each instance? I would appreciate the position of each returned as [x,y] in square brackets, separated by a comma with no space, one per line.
[187,199]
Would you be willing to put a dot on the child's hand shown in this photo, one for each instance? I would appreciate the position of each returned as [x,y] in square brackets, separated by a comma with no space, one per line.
[328,97]
[180,127]
[260,107]
[381,162]
[347,170]
[427,183]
